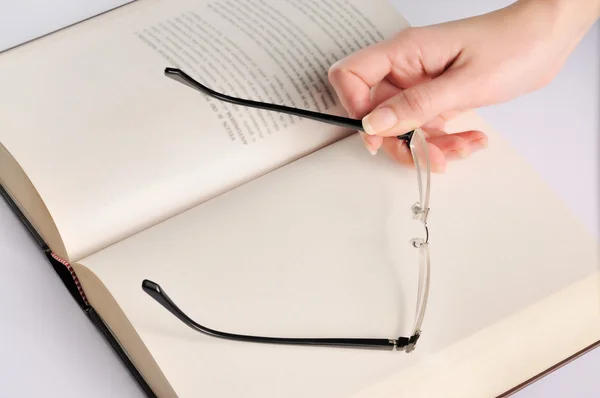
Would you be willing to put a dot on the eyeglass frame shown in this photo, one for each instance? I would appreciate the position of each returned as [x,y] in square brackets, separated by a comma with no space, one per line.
[420,212]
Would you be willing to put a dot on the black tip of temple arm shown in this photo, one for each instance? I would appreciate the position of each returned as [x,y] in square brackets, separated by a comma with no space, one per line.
[157,293]
[176,73]
[181,77]
[153,289]
[172,71]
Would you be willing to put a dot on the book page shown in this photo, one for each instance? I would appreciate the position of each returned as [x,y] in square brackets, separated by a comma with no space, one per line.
[113,146]
[320,248]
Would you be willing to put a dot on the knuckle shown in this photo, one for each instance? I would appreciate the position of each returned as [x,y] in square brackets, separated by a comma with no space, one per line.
[409,37]
[418,101]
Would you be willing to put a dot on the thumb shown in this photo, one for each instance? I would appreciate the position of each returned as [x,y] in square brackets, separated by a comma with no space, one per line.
[417,105]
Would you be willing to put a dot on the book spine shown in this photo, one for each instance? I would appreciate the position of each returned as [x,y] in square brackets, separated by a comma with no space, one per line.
[65,272]
[83,299]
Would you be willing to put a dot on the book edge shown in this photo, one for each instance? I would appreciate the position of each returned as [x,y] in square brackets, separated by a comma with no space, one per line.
[550,370]
[64,27]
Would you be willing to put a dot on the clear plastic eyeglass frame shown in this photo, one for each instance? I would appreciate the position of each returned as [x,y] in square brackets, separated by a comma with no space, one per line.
[418,146]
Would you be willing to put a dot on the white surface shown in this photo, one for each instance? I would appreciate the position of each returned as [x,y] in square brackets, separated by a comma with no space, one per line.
[25,20]
[50,349]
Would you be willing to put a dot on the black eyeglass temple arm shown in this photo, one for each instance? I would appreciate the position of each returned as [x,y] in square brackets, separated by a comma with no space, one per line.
[158,294]
[180,76]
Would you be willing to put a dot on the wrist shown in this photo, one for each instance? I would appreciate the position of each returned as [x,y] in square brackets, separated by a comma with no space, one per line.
[565,21]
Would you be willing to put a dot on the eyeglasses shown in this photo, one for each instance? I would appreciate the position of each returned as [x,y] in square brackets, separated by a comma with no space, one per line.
[418,146]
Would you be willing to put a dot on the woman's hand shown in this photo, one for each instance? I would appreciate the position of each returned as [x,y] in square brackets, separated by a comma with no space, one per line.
[424,76]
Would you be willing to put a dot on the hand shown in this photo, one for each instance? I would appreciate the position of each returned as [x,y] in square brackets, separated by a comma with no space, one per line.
[424,76]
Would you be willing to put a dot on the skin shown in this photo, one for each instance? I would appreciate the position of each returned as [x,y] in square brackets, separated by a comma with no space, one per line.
[424,76]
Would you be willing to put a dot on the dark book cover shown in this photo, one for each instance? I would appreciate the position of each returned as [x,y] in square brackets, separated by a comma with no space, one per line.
[67,275]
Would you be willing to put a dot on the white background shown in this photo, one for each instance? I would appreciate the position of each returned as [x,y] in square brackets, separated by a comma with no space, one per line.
[49,348]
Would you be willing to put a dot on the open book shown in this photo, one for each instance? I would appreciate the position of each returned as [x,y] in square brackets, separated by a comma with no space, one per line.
[263,223]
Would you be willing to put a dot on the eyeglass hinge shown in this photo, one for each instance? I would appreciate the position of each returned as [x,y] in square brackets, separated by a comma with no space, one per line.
[419,213]
[412,341]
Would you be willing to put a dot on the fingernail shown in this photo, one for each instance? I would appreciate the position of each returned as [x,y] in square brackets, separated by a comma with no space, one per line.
[379,120]
[478,144]
[368,144]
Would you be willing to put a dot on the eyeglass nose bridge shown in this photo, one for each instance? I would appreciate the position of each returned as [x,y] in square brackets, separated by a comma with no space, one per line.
[420,214]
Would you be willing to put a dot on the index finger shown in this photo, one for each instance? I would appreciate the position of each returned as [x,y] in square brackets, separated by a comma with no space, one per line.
[354,76]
